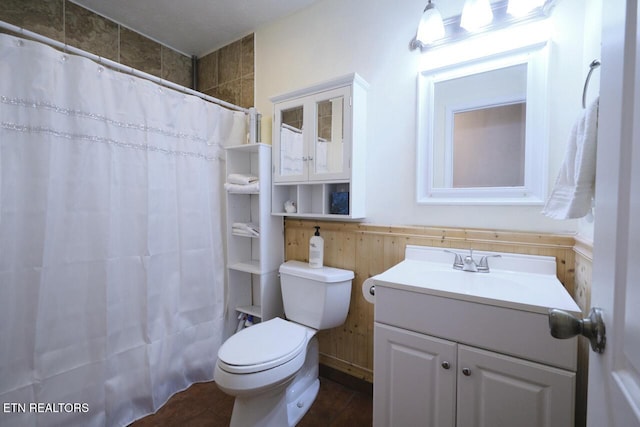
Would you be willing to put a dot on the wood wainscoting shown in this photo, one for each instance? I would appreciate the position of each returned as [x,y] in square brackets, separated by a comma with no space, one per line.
[370,249]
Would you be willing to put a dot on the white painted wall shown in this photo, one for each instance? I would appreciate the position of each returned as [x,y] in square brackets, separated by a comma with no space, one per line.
[371,37]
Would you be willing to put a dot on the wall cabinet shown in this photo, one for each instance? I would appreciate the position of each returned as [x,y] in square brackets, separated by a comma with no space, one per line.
[253,258]
[318,142]
[458,363]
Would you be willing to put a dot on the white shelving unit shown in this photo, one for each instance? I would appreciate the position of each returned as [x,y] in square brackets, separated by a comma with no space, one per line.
[253,261]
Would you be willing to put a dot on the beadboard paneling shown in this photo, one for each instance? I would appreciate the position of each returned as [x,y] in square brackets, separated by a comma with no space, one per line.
[370,249]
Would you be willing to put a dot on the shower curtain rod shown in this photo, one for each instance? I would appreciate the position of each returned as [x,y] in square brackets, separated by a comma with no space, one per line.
[118,67]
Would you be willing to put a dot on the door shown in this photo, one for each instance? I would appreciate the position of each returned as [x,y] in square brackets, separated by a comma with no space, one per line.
[415,379]
[329,153]
[499,391]
[614,376]
[289,146]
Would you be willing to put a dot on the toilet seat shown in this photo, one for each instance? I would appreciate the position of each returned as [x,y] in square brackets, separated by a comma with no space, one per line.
[262,346]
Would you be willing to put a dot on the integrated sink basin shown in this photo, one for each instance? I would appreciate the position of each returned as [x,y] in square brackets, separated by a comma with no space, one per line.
[516,281]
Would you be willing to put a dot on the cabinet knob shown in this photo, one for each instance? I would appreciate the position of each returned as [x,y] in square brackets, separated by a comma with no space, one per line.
[446,365]
[466,372]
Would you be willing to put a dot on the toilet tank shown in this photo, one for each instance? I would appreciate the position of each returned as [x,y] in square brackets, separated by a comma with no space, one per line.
[315,297]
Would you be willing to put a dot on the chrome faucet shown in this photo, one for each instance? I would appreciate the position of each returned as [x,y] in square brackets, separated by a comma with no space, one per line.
[468,263]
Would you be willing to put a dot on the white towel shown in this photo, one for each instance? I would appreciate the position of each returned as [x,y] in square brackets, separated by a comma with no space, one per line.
[254,187]
[241,178]
[574,189]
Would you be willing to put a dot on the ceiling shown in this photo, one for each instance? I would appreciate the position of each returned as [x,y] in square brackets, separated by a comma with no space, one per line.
[194,27]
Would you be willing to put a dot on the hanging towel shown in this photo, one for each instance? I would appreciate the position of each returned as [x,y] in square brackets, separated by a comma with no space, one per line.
[241,178]
[574,188]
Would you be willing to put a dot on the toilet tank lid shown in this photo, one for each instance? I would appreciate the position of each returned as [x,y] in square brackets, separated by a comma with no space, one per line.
[324,274]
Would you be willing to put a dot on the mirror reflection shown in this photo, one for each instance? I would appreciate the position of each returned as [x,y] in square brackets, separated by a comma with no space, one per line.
[479,129]
[330,134]
[489,146]
[291,142]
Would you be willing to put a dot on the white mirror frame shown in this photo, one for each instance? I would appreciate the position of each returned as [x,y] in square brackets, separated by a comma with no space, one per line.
[536,134]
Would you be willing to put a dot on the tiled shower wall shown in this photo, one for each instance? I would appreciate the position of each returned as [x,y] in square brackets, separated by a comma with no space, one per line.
[226,74]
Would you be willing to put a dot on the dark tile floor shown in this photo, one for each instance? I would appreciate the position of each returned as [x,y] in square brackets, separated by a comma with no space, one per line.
[204,405]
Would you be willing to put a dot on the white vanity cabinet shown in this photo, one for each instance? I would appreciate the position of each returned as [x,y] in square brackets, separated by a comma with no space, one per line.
[318,149]
[442,383]
[253,259]
[443,358]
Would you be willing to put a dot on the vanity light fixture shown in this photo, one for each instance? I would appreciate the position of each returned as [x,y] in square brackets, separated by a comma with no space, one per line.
[430,28]
[477,17]
[476,14]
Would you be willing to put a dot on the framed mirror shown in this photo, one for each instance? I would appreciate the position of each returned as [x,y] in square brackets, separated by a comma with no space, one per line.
[482,131]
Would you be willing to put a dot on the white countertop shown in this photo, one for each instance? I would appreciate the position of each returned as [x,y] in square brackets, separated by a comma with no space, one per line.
[426,270]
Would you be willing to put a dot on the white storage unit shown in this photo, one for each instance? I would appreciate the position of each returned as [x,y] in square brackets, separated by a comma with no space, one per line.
[319,137]
[253,260]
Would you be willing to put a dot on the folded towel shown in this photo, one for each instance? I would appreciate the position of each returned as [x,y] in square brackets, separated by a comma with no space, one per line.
[254,187]
[245,229]
[574,188]
[240,178]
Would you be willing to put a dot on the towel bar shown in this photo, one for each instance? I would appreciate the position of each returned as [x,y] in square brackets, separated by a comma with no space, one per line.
[594,64]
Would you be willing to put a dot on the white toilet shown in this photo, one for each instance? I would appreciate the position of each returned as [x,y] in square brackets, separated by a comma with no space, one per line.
[272,367]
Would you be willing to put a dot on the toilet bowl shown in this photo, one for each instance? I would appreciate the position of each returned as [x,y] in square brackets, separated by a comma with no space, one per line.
[272,367]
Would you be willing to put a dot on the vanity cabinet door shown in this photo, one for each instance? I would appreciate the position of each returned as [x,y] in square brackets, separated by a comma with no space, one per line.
[498,390]
[415,378]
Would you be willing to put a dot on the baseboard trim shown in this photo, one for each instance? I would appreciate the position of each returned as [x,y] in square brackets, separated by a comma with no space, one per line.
[346,380]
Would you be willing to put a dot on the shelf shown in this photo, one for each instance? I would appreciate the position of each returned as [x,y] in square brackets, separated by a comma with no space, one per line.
[252,266]
[243,193]
[245,235]
[252,310]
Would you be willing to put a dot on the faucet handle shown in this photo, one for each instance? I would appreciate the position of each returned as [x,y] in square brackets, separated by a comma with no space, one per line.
[457,261]
[483,265]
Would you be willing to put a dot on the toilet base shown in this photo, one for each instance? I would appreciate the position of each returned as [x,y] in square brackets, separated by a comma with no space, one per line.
[286,403]
[297,409]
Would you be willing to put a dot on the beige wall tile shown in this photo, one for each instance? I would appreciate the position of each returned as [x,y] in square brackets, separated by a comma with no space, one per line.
[229,92]
[176,67]
[229,62]
[208,72]
[44,17]
[247,91]
[140,52]
[247,58]
[91,32]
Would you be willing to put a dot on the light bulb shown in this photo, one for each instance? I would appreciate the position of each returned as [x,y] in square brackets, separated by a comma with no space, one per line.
[431,27]
[476,14]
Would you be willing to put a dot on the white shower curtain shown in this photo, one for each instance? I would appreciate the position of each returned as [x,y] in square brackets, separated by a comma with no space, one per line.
[111,252]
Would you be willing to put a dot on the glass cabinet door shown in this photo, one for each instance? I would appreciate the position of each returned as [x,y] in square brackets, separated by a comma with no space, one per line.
[292,156]
[329,136]
[329,152]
